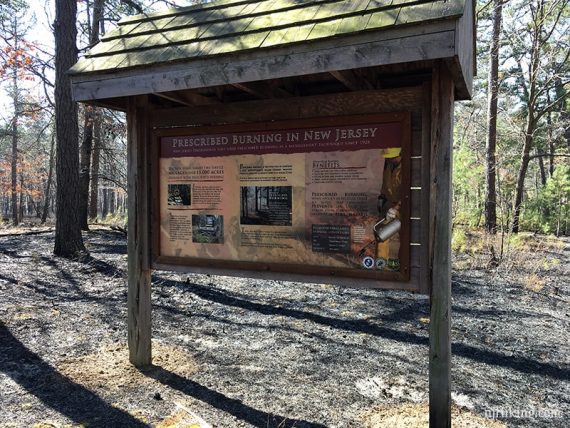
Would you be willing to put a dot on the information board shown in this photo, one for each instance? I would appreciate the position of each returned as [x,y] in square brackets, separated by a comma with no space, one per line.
[324,196]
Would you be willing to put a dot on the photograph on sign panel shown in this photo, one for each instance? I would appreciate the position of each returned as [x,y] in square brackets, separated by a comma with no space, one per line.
[179,195]
[208,229]
[266,205]
[387,230]
[353,206]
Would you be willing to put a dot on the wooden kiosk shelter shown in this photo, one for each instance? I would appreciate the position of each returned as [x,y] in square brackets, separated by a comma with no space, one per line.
[224,68]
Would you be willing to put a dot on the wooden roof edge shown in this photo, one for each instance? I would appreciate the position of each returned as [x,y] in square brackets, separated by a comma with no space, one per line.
[118,103]
[394,46]
[465,52]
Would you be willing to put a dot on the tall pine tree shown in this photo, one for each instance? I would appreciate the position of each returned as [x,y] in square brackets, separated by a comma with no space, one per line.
[68,239]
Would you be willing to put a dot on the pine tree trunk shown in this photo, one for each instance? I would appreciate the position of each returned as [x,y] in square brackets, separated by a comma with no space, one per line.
[14,163]
[68,239]
[85,166]
[491,146]
[112,202]
[550,138]
[22,197]
[541,166]
[96,154]
[105,207]
[49,181]
[519,190]
[90,115]
[531,120]
[14,168]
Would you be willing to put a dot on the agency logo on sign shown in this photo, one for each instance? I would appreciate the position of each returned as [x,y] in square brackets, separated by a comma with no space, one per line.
[380,263]
[368,262]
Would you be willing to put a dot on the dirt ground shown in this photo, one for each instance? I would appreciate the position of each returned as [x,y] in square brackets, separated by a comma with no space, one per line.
[232,352]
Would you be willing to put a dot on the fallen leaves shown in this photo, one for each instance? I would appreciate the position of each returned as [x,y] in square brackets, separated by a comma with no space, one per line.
[417,416]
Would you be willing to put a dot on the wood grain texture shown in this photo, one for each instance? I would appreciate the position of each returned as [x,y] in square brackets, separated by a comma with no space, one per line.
[351,80]
[262,90]
[177,266]
[139,228]
[416,174]
[465,47]
[187,98]
[380,101]
[425,283]
[416,204]
[440,312]
[415,258]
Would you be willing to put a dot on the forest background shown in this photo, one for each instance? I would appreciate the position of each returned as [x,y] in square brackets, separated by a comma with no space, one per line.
[512,140]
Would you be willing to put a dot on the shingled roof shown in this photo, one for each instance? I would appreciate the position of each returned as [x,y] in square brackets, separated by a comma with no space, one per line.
[226,27]
[234,29]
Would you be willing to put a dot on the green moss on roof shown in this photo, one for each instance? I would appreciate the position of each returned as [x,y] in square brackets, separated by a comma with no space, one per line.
[227,27]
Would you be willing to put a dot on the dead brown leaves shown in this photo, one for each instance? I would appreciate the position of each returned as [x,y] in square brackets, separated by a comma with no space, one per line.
[109,367]
[417,416]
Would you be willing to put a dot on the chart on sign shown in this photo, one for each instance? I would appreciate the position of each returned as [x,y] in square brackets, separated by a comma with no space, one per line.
[323,196]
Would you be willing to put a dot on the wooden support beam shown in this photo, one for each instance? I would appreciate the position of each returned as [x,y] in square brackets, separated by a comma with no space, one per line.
[189,99]
[388,100]
[262,90]
[174,97]
[198,99]
[119,104]
[443,96]
[219,90]
[139,229]
[351,80]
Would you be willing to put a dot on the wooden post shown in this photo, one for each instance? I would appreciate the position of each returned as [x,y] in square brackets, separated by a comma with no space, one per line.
[138,302]
[440,206]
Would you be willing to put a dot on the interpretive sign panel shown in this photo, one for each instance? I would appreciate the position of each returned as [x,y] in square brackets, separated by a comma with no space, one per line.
[326,196]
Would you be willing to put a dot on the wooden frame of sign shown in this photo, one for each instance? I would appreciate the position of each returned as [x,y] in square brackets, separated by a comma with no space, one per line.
[336,137]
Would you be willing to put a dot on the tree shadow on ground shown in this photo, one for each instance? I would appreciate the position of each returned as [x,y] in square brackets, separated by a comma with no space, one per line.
[39,378]
[518,363]
[105,268]
[107,242]
[355,325]
[276,326]
[241,411]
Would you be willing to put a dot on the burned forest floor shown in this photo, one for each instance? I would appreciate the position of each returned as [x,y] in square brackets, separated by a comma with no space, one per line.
[234,352]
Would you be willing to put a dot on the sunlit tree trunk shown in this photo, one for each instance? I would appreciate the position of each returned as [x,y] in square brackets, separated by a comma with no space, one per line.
[16,105]
[525,159]
[47,193]
[90,115]
[531,93]
[68,239]
[14,163]
[491,146]
[96,155]
[22,198]
[541,168]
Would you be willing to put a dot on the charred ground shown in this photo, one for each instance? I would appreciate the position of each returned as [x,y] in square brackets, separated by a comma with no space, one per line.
[240,352]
